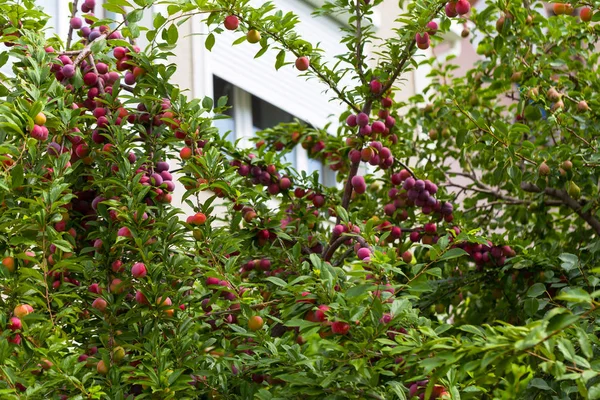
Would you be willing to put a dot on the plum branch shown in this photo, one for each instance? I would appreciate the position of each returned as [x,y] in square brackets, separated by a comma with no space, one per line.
[73,14]
[329,250]
[327,80]
[359,55]
[567,200]
[405,57]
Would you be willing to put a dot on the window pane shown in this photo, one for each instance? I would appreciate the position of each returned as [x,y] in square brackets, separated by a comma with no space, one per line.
[266,115]
[224,88]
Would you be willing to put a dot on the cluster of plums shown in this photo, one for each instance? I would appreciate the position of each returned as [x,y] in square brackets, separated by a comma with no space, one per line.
[458,7]
[375,154]
[161,181]
[368,129]
[412,192]
[488,254]
[262,266]
[264,175]
[423,39]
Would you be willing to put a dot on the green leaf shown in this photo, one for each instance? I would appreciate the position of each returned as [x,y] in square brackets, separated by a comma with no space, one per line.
[452,253]
[359,290]
[559,322]
[342,214]
[472,329]
[210,42]
[540,384]
[135,15]
[239,40]
[280,59]
[569,261]
[114,8]
[172,34]
[277,281]
[536,290]
[262,51]
[531,306]
[574,295]
[17,176]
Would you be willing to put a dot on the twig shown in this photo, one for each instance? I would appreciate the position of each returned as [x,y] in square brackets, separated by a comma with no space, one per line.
[328,252]
[359,58]
[488,130]
[566,200]
[407,52]
[572,132]
[73,14]
[348,189]
[406,167]
[573,369]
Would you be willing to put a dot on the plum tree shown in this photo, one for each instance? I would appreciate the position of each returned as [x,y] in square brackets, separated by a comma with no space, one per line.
[456,257]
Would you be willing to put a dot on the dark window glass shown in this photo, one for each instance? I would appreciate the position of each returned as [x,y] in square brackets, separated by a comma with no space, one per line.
[223,88]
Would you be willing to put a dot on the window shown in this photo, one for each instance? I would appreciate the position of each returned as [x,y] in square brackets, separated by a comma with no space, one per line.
[223,88]
[250,114]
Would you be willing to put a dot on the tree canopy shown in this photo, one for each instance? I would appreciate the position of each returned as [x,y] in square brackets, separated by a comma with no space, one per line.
[457,257]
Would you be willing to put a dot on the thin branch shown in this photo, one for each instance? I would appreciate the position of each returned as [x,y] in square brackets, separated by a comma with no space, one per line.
[495,203]
[572,132]
[329,250]
[406,167]
[359,56]
[73,14]
[93,65]
[87,50]
[348,189]
[407,52]
[572,369]
[126,87]
[567,200]
[488,130]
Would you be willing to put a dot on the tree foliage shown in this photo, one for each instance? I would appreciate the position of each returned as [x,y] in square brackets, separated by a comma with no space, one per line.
[457,257]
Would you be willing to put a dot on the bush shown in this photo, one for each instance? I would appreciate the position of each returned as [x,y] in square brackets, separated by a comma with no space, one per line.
[402,282]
